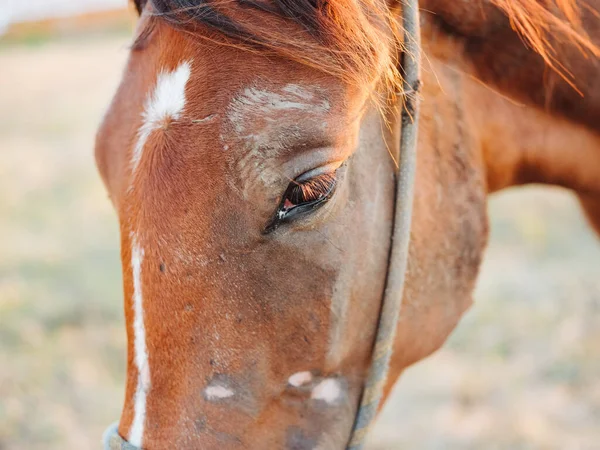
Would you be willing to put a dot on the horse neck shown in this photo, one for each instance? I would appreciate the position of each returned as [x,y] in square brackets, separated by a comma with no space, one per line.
[525,144]
[521,140]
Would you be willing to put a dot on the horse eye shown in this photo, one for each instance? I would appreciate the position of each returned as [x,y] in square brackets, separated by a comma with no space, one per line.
[302,197]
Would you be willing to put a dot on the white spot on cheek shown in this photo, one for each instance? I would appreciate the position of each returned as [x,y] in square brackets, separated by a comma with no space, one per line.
[217,392]
[300,379]
[328,390]
[136,432]
[165,102]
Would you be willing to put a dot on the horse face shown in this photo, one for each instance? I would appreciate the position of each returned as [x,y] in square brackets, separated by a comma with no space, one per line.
[255,198]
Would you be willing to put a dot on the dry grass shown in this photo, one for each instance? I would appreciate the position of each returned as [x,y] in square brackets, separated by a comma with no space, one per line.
[522,370]
[61,334]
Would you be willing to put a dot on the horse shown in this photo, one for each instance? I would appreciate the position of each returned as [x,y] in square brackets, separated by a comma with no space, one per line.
[251,154]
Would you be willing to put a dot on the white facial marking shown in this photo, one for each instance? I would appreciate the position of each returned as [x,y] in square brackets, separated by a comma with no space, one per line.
[328,390]
[300,379]
[165,102]
[254,116]
[136,433]
[217,392]
[254,100]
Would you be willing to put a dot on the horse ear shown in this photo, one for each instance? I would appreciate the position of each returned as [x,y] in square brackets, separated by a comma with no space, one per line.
[139,5]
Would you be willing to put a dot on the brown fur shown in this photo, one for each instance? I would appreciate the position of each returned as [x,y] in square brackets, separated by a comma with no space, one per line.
[224,301]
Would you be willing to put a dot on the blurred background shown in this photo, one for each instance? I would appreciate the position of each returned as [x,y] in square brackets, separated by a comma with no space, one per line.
[522,371]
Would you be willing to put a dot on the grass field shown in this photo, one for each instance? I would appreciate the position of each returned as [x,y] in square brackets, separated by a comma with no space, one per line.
[522,371]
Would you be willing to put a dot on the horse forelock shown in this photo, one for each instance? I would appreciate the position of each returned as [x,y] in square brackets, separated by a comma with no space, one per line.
[139,5]
[353,40]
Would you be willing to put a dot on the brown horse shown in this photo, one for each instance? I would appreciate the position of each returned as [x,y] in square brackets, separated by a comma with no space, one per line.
[250,154]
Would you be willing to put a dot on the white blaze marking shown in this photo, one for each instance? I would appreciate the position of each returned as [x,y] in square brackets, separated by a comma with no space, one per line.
[136,432]
[165,102]
[217,392]
[300,379]
[328,390]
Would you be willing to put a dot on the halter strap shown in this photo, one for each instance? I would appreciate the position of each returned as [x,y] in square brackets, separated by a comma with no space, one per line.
[405,178]
[112,440]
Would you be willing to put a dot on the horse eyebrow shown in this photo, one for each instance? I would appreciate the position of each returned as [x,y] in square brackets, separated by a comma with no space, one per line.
[293,139]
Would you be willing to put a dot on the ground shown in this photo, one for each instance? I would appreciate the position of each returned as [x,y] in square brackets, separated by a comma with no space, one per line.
[521,371]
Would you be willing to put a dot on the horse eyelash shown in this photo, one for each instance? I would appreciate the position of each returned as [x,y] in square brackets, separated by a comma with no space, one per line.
[313,188]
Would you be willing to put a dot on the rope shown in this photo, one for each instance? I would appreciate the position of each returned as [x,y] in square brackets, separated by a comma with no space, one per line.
[111,439]
[392,298]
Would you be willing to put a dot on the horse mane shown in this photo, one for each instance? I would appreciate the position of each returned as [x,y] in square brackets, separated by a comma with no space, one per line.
[540,23]
[358,40]
[353,40]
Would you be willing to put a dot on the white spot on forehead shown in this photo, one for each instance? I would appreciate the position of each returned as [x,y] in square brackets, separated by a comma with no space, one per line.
[300,379]
[166,101]
[136,431]
[328,390]
[217,392]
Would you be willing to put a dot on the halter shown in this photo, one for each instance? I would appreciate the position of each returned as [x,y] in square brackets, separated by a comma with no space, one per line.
[403,205]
